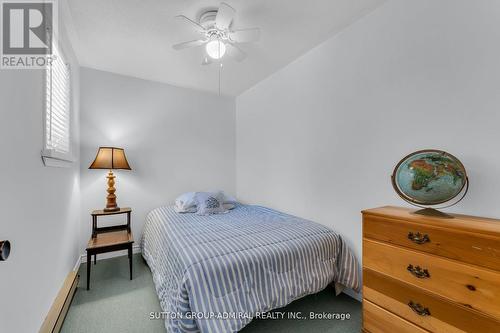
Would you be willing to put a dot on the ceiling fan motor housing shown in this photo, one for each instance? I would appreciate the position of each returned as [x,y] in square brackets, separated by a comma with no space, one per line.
[207,19]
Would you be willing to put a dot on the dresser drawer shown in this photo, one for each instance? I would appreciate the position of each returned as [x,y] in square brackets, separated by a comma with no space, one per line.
[442,316]
[471,286]
[476,248]
[379,320]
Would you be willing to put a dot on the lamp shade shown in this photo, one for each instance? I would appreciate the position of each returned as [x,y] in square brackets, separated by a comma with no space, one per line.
[110,158]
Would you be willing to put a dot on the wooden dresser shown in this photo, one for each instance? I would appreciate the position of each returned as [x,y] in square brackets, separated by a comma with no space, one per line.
[430,274]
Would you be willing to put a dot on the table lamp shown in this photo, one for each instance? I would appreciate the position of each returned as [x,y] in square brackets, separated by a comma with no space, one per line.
[110,158]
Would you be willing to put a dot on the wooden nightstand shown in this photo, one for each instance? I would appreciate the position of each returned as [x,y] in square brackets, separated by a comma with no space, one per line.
[109,239]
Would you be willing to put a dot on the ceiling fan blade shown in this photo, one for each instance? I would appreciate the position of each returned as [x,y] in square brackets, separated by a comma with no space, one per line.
[195,25]
[225,16]
[245,35]
[235,52]
[192,43]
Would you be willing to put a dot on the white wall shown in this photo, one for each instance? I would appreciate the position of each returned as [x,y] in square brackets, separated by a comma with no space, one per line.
[175,139]
[320,138]
[39,205]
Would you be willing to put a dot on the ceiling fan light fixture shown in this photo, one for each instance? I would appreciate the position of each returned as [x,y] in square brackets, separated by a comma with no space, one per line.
[215,49]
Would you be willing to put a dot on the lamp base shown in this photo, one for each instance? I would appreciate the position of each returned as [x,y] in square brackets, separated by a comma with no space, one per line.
[111,205]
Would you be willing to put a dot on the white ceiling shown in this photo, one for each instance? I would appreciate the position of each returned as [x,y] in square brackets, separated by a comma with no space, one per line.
[135,37]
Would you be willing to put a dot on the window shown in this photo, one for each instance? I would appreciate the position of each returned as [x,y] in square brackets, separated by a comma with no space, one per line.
[57,140]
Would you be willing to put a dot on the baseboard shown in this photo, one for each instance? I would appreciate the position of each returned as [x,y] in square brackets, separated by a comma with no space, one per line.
[135,249]
[55,318]
[77,264]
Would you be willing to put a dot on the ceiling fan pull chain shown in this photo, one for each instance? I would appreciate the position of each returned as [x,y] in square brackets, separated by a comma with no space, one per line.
[220,74]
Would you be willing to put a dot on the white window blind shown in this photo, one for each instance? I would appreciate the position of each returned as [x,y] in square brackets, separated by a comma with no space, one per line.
[58,107]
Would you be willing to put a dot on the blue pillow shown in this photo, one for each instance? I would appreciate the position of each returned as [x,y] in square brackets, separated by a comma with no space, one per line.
[210,203]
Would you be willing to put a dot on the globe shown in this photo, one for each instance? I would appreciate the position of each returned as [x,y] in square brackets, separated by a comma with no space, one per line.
[429,177]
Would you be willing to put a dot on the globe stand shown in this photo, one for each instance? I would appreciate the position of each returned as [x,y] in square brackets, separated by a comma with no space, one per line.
[433,213]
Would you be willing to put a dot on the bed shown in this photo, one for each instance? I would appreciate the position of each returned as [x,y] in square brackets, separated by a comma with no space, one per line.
[214,273]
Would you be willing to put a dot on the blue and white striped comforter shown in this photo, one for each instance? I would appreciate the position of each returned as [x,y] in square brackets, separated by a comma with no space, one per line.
[227,267]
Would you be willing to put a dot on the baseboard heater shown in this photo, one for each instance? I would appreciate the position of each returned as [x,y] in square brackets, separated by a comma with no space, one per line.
[55,318]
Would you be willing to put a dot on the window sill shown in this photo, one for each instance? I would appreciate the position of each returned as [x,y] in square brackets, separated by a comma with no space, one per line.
[56,160]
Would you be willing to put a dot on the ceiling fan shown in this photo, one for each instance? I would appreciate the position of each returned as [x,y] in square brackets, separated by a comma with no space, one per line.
[218,35]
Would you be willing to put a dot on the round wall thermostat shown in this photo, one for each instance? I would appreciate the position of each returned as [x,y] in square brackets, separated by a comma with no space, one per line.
[4,250]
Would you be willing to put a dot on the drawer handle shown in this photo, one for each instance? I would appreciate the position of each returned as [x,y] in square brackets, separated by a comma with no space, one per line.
[418,238]
[418,272]
[419,309]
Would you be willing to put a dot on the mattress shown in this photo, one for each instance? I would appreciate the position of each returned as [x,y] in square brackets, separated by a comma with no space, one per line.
[215,273]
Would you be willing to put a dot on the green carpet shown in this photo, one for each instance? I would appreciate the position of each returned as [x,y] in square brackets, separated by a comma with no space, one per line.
[116,304]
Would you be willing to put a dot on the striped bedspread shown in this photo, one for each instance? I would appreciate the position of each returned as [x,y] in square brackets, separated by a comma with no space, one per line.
[214,273]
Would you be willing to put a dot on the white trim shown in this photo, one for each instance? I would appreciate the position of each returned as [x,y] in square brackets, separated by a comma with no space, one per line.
[77,264]
[51,153]
[135,249]
[53,158]
[55,163]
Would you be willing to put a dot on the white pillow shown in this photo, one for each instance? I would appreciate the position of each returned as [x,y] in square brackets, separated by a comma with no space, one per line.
[186,203]
[210,203]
